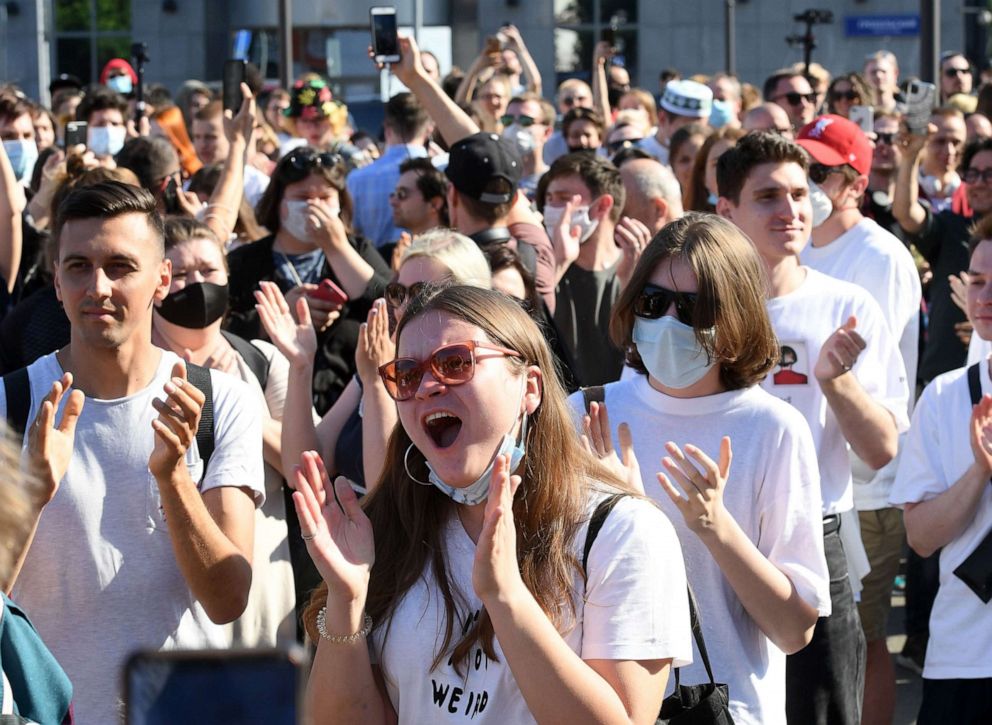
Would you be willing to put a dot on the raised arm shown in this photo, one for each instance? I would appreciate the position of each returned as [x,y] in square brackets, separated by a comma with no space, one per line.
[527,63]
[11,205]
[906,206]
[379,417]
[600,94]
[222,208]
[466,89]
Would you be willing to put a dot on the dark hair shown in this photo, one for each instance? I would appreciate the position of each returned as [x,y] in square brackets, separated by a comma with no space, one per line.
[182,229]
[13,106]
[209,112]
[158,96]
[100,98]
[696,197]
[491,214]
[547,110]
[972,149]
[267,209]
[205,181]
[730,297]
[151,158]
[858,85]
[582,114]
[500,257]
[979,232]
[771,83]
[630,153]
[108,200]
[406,116]
[683,134]
[754,149]
[431,183]
[598,174]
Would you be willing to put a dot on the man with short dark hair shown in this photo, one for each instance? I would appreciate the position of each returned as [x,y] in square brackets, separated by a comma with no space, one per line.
[141,532]
[407,128]
[419,200]
[156,164]
[528,123]
[793,92]
[583,129]
[955,74]
[105,113]
[848,382]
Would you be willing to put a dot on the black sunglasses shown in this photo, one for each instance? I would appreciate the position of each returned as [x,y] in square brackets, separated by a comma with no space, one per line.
[301,161]
[654,301]
[954,72]
[851,96]
[886,138]
[397,294]
[819,172]
[794,98]
[508,119]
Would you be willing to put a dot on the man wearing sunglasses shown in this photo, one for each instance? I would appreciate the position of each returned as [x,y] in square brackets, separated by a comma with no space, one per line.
[955,75]
[794,94]
[528,124]
[855,396]
[887,154]
[854,248]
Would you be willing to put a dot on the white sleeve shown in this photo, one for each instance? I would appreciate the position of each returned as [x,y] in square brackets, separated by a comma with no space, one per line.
[920,474]
[237,456]
[880,368]
[636,606]
[790,528]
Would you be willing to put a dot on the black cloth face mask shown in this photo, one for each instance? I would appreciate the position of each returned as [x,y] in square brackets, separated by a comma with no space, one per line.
[195,306]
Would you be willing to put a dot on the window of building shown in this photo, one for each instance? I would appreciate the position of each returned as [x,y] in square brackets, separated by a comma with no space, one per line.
[580,24]
[88,33]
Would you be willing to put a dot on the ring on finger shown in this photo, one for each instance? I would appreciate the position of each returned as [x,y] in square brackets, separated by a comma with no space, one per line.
[308,537]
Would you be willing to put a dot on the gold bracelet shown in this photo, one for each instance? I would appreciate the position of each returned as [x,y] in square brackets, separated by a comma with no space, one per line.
[341,638]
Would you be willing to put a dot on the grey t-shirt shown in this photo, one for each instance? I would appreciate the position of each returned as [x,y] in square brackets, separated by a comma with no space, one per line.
[101,579]
[582,316]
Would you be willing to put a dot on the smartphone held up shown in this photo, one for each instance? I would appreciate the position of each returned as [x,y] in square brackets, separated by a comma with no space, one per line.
[385,40]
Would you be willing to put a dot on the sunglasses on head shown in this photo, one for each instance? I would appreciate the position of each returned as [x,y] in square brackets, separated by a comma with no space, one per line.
[850,96]
[397,294]
[508,119]
[301,161]
[794,99]
[450,364]
[819,172]
[654,301]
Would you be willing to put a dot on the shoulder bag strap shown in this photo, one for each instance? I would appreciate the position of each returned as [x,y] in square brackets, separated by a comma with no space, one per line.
[975,384]
[200,377]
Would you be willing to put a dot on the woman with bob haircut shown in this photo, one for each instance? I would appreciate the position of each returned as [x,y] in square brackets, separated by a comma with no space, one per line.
[308,211]
[692,321]
[464,564]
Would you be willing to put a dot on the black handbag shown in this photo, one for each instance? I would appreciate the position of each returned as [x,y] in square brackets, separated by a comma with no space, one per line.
[706,704]
[976,570]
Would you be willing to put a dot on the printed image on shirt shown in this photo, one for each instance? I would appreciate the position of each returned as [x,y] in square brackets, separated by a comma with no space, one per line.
[793,365]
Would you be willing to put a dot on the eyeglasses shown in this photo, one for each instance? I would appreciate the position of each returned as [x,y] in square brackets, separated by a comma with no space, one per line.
[850,96]
[886,138]
[303,160]
[971,176]
[397,294]
[794,99]
[450,364]
[819,172]
[508,119]
[654,301]
[401,193]
[955,72]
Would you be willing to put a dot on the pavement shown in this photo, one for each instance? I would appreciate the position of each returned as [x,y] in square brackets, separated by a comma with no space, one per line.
[909,686]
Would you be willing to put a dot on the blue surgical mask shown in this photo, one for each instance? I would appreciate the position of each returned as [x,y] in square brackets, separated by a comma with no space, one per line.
[670,351]
[23,155]
[121,84]
[712,199]
[721,114]
[106,140]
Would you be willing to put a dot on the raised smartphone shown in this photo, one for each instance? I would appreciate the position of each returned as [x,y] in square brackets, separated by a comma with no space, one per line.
[385,42]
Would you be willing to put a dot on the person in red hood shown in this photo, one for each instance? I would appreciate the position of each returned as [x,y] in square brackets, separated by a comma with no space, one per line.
[118,75]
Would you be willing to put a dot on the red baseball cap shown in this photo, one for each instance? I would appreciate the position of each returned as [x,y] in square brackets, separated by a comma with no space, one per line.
[834,141]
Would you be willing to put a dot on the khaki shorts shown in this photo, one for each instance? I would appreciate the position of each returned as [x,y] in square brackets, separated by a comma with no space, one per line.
[883,535]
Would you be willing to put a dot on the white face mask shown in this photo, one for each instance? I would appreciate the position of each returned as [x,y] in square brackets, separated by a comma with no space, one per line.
[296,219]
[519,137]
[121,84]
[823,207]
[106,140]
[670,351]
[580,218]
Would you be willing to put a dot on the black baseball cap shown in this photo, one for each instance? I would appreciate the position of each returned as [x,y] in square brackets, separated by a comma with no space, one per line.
[64,80]
[476,160]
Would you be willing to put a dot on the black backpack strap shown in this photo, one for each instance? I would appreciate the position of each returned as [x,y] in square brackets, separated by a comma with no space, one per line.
[17,389]
[256,360]
[975,384]
[200,378]
[697,636]
[593,394]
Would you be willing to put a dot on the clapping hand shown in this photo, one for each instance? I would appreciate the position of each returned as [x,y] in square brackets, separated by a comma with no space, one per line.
[50,443]
[496,570]
[596,439]
[840,352]
[702,507]
[375,346]
[176,424]
[632,236]
[296,340]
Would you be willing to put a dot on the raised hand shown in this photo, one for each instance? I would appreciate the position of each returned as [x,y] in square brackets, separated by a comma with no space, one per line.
[240,127]
[959,290]
[632,236]
[175,427]
[565,236]
[702,508]
[296,340]
[496,570]
[49,443]
[375,346]
[337,531]
[981,433]
[840,352]
[597,440]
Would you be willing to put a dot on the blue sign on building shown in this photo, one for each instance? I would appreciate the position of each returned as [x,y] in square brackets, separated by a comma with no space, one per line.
[881,25]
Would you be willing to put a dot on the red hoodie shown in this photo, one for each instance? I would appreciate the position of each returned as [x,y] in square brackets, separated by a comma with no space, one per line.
[117,64]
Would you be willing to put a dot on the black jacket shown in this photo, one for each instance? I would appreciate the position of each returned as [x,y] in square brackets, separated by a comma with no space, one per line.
[335,361]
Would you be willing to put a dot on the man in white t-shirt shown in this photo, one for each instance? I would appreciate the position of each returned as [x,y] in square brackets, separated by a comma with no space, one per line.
[848,246]
[841,369]
[135,546]
[943,485]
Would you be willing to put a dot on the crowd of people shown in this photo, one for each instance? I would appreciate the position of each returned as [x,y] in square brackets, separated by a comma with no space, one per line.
[512,410]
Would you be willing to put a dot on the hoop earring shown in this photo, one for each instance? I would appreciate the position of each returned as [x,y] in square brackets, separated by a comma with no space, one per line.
[406,466]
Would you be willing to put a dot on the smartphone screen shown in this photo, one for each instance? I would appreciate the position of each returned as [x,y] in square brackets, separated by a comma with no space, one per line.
[261,686]
[234,76]
[75,133]
[385,42]
[864,116]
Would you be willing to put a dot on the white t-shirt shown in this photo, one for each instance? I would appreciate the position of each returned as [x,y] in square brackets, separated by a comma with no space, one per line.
[635,608]
[256,182]
[773,494]
[803,320]
[978,349]
[874,259]
[101,579]
[937,453]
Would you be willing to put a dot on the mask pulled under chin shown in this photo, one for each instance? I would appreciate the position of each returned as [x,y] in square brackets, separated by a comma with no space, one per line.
[670,351]
[580,218]
[823,207]
[195,306]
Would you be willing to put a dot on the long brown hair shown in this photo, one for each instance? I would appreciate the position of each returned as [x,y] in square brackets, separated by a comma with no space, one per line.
[409,519]
[731,297]
[697,196]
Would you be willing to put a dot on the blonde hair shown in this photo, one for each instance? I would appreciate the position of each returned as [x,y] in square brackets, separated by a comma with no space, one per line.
[458,253]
